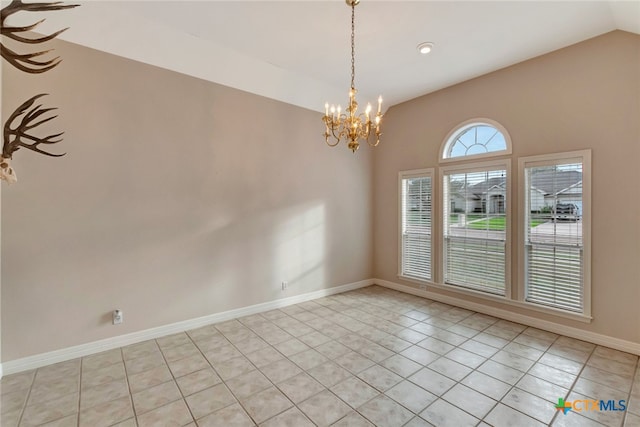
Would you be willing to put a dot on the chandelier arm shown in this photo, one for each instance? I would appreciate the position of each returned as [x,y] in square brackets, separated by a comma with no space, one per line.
[327,134]
[367,130]
[326,138]
[333,127]
[343,133]
[335,137]
[330,124]
[378,133]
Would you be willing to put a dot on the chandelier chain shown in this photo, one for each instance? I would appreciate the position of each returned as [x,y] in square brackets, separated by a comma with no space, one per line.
[353,44]
[349,124]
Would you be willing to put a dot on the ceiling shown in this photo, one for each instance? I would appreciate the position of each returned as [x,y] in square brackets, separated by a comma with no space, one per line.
[298,51]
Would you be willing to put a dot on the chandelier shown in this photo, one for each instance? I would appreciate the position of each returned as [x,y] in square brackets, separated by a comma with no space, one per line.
[350,125]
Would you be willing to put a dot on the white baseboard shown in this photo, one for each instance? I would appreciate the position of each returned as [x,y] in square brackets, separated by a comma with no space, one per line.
[38,360]
[593,337]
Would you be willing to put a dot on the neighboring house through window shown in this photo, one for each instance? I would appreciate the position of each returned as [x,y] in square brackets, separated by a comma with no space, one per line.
[475,226]
[556,258]
[475,232]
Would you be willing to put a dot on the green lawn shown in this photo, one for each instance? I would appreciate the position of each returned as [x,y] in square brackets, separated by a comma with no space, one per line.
[496,224]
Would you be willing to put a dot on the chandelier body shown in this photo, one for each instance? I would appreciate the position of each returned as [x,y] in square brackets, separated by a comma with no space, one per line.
[352,126]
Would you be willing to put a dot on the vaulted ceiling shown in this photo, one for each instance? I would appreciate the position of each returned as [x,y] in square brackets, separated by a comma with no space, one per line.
[298,51]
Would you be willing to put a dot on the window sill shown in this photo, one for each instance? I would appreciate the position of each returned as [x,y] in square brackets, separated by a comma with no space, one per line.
[579,317]
[422,282]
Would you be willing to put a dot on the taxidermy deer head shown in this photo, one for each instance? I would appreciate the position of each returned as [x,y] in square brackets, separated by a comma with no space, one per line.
[17,135]
[26,61]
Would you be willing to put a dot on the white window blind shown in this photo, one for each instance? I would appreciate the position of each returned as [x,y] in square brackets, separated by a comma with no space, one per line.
[554,246]
[475,224]
[416,215]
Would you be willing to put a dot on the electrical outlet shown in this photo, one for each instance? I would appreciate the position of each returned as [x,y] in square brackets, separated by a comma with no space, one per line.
[285,285]
[117,317]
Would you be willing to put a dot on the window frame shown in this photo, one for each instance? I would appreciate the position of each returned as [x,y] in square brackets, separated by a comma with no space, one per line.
[476,167]
[583,156]
[461,127]
[402,175]
[515,225]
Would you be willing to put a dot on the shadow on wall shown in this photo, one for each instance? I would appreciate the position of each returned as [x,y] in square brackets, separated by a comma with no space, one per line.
[246,259]
[299,243]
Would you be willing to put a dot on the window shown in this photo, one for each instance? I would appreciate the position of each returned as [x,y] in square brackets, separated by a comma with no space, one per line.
[415,223]
[556,254]
[476,138]
[475,226]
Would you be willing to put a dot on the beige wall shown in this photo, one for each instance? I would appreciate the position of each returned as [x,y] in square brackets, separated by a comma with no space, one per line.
[181,198]
[178,198]
[583,96]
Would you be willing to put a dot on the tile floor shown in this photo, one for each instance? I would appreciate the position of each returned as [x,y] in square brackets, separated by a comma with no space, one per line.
[368,357]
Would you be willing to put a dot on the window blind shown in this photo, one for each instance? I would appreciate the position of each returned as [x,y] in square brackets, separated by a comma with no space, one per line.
[475,223]
[416,227]
[554,240]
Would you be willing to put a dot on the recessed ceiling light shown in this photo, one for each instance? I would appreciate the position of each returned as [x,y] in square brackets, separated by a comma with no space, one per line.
[425,47]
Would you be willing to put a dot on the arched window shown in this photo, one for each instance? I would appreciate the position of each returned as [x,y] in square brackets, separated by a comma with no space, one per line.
[475,208]
[476,138]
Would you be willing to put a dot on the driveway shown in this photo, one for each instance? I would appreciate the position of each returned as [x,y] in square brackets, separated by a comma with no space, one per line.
[561,232]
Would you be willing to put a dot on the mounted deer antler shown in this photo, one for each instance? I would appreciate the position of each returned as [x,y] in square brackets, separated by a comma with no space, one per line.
[27,62]
[17,137]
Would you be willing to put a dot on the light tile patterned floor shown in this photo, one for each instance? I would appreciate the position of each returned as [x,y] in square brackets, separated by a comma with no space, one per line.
[368,357]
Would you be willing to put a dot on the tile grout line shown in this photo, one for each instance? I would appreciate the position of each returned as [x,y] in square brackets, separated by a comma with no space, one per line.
[126,378]
[440,356]
[527,372]
[80,386]
[258,369]
[512,387]
[631,390]
[184,398]
[584,365]
[135,413]
[175,380]
[376,305]
[555,416]
[26,402]
[325,388]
